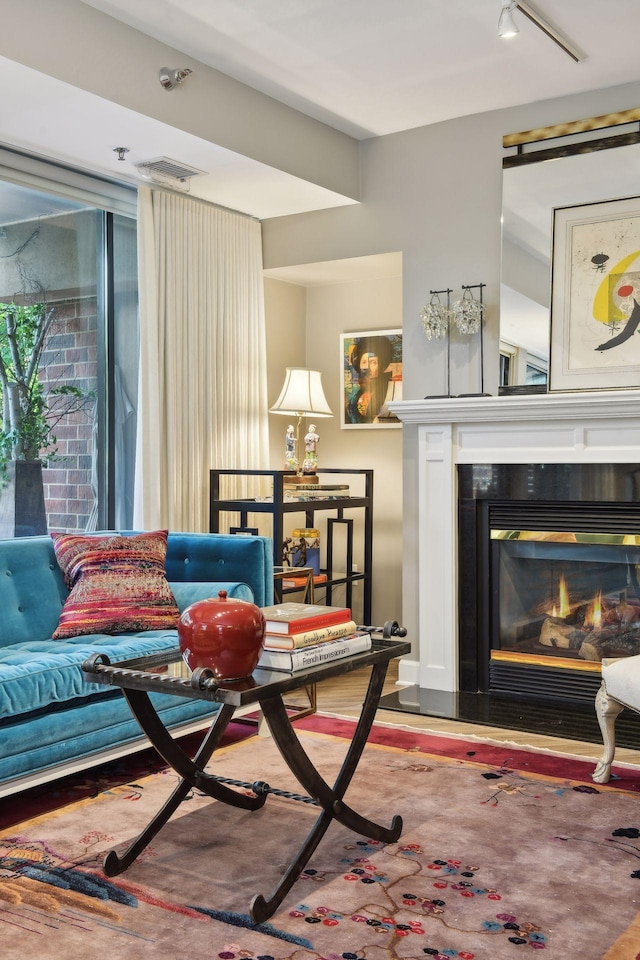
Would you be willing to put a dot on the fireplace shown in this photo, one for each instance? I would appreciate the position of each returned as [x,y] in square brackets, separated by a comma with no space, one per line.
[556,580]
[484,479]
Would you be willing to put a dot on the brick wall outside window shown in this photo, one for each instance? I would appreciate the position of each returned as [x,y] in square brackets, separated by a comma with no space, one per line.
[71,358]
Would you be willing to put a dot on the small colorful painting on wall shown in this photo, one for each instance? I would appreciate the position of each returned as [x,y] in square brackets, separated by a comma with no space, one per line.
[595,297]
[371,370]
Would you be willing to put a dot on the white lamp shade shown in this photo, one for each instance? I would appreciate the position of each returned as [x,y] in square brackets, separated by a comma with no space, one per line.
[302,394]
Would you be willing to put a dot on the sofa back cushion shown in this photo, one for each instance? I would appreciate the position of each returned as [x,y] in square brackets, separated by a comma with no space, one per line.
[223,557]
[32,590]
[117,584]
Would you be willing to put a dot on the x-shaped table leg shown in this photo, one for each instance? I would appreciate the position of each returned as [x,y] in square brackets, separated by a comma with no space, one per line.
[330,799]
[191,773]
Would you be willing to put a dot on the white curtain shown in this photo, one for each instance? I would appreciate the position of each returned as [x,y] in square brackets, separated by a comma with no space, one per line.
[203,382]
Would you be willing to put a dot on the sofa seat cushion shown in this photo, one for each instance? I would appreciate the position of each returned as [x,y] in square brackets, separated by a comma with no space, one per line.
[37,673]
[80,728]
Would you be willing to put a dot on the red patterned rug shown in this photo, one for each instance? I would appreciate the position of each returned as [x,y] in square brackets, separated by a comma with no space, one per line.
[503,852]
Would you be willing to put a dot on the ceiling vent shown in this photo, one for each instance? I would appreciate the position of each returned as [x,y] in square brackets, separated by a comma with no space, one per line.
[166,171]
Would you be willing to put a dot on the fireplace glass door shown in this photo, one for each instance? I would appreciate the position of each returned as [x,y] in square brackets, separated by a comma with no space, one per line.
[564,596]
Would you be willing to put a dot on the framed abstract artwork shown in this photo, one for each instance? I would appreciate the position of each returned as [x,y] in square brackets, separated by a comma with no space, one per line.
[595,296]
[371,377]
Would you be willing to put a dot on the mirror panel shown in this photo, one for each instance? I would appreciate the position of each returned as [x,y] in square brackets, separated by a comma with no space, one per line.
[530,194]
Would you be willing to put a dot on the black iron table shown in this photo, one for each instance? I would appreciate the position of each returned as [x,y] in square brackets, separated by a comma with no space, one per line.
[160,673]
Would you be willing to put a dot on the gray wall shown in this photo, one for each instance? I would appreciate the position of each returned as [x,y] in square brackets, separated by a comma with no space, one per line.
[434,194]
[304,326]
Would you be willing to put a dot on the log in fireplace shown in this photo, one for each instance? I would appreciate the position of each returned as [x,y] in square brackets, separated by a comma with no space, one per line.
[549,557]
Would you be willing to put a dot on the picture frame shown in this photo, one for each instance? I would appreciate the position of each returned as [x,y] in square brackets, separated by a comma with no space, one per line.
[595,297]
[370,377]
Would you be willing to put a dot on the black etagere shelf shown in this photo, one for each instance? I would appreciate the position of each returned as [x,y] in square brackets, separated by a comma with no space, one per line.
[277,507]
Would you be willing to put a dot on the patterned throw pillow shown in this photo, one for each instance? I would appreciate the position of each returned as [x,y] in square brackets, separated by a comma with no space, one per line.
[118,584]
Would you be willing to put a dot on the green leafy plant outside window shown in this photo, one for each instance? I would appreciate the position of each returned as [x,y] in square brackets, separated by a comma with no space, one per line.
[29,418]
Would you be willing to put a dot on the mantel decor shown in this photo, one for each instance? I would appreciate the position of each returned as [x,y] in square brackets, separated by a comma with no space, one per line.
[595,300]
[465,317]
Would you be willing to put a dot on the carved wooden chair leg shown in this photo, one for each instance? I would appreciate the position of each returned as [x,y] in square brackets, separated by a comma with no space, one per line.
[607,710]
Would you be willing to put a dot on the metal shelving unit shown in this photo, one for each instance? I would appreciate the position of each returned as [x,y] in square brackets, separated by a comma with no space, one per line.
[277,508]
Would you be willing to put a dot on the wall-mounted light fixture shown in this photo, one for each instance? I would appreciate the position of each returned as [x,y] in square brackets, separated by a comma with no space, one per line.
[170,78]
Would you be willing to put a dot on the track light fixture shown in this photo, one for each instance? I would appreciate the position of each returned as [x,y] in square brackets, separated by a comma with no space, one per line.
[507,27]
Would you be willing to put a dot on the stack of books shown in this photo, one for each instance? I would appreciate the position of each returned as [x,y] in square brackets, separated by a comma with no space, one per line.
[299,583]
[301,635]
[315,491]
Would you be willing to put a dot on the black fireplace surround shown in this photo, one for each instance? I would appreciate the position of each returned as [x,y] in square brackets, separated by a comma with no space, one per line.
[592,500]
[531,521]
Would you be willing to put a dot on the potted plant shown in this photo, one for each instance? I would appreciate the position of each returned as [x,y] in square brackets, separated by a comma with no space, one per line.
[29,416]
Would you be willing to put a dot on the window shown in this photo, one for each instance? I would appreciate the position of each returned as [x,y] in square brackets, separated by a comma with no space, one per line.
[75,258]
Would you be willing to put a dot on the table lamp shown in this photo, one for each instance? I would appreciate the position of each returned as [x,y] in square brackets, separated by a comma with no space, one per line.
[301,396]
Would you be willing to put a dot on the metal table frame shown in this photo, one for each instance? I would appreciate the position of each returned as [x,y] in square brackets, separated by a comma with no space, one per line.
[265,689]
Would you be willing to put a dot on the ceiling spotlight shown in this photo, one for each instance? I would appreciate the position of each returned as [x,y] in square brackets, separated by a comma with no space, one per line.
[506,24]
[121,152]
[508,28]
[171,78]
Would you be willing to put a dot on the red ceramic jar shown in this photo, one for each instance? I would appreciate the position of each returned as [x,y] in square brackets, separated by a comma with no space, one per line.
[223,634]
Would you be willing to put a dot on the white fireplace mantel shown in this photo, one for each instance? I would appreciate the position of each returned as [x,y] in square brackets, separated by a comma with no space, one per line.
[598,427]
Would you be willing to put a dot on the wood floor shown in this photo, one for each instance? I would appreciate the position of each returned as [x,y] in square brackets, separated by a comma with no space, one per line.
[343,697]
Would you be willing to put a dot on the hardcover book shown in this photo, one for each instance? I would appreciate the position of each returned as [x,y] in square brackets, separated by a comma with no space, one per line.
[291,661]
[292,617]
[300,583]
[282,641]
[319,486]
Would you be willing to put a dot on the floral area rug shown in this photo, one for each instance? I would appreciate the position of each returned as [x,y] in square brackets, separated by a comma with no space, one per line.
[496,860]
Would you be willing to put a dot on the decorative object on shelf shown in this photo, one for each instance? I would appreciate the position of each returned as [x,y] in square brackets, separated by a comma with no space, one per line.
[223,635]
[467,311]
[436,316]
[290,459]
[301,396]
[595,296]
[311,440]
[305,548]
[436,319]
[371,371]
[468,317]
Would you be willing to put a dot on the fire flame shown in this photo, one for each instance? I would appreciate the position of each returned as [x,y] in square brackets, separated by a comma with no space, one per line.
[593,616]
[563,608]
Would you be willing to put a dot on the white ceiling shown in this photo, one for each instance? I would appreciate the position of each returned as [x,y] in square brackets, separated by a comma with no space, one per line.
[372,67]
[366,67]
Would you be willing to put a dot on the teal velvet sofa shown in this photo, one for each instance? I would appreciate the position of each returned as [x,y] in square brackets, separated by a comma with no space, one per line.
[52,720]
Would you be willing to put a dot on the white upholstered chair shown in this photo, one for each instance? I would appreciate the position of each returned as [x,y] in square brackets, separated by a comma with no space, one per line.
[620,688]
